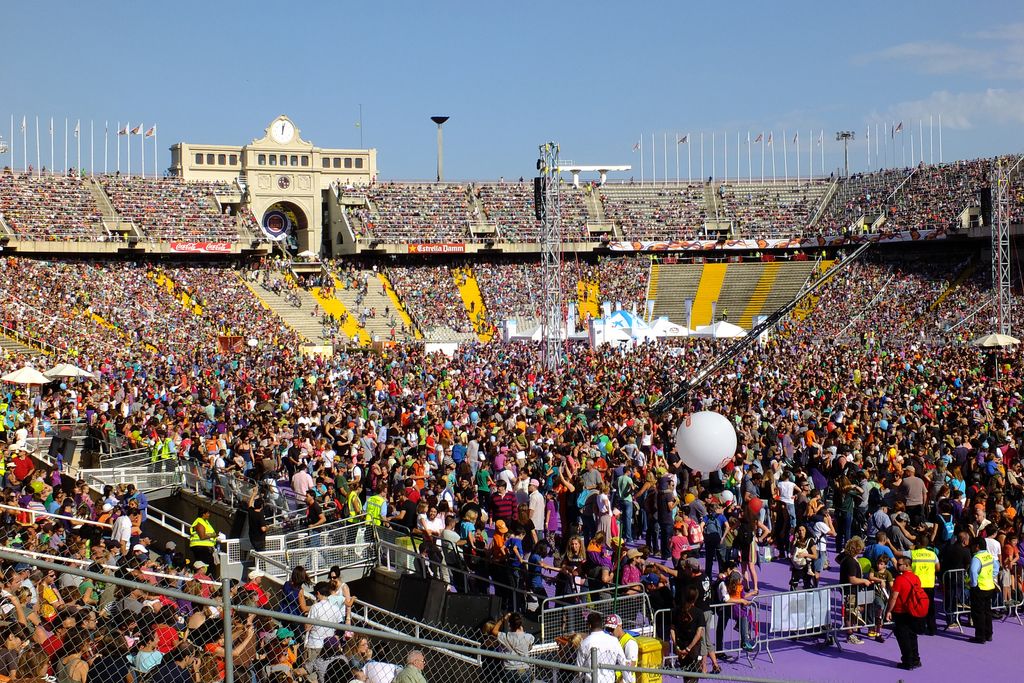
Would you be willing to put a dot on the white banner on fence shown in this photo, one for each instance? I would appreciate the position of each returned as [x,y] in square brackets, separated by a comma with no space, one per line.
[803,611]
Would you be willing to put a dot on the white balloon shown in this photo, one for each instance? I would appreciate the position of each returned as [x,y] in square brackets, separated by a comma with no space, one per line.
[705,441]
[727,496]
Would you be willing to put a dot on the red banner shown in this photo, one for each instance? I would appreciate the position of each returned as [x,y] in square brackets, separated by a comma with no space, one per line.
[230,344]
[201,247]
[441,248]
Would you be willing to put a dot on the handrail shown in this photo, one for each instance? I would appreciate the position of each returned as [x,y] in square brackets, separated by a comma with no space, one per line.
[54,515]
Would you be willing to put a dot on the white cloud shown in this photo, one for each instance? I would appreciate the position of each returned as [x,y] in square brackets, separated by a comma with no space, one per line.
[961,111]
[996,53]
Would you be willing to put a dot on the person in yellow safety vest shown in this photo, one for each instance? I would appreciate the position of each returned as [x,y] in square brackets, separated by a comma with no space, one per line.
[202,538]
[984,569]
[355,506]
[613,624]
[160,453]
[925,565]
[376,509]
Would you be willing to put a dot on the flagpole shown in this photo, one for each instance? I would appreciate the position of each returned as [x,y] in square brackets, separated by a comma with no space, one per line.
[664,144]
[867,143]
[876,146]
[156,167]
[24,142]
[677,158]
[785,154]
[885,145]
[903,148]
[796,141]
[713,169]
[726,156]
[750,155]
[65,145]
[762,158]
[38,162]
[940,138]
[128,129]
[920,139]
[117,138]
[654,161]
[739,146]
[92,150]
[142,139]
[641,158]
[931,138]
[689,172]
[106,142]
[810,157]
[78,144]
[11,150]
[701,150]
[53,159]
[774,179]
[821,141]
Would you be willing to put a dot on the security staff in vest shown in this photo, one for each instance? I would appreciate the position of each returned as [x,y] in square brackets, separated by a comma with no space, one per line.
[925,565]
[376,508]
[202,538]
[613,624]
[984,569]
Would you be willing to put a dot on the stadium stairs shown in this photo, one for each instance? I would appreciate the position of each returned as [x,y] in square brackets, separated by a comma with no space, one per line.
[112,220]
[588,300]
[758,297]
[469,290]
[967,271]
[807,306]
[708,291]
[396,305]
[12,346]
[161,279]
[297,319]
[378,327]
[737,290]
[342,306]
[675,283]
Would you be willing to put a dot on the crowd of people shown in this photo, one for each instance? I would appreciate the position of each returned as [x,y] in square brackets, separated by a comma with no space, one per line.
[170,208]
[528,480]
[49,207]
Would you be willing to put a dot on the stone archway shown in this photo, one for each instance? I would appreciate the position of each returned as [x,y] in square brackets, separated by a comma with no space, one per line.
[285,222]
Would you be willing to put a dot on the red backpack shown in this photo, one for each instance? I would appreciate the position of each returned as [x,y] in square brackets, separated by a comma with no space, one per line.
[917,601]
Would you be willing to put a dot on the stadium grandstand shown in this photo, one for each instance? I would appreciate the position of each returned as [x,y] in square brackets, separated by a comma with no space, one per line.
[270,416]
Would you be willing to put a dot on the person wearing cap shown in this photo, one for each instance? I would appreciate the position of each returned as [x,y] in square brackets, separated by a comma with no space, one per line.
[602,645]
[202,538]
[537,507]
[630,648]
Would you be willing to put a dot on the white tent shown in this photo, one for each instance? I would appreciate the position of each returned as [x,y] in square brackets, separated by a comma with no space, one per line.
[68,370]
[663,327]
[26,375]
[995,341]
[720,330]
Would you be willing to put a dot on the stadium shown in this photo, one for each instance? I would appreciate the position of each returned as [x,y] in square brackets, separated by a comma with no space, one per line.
[272,414]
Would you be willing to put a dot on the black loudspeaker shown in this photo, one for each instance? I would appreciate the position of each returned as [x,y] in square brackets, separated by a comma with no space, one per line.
[539,185]
[68,450]
[470,611]
[420,599]
[986,205]
[56,447]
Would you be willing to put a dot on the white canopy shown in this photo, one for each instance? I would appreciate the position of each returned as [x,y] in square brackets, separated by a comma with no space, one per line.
[663,327]
[995,341]
[306,254]
[26,375]
[68,370]
[720,330]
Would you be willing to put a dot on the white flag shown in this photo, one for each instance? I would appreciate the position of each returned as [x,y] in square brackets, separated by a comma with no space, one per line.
[77,125]
[24,124]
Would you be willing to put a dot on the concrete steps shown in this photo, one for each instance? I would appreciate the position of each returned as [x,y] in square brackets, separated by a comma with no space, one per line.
[708,290]
[469,290]
[301,320]
[336,308]
[396,305]
[376,298]
[760,295]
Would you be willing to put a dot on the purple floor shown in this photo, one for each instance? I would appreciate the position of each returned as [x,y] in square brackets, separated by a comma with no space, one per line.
[946,657]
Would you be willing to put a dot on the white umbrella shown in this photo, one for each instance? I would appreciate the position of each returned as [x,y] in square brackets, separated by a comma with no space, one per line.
[26,375]
[995,341]
[68,370]
[306,254]
[720,330]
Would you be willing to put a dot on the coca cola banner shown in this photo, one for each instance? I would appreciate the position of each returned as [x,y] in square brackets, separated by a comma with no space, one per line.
[201,247]
[795,243]
[440,248]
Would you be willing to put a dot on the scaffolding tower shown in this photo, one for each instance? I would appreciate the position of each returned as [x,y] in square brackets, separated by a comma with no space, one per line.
[550,213]
[1001,248]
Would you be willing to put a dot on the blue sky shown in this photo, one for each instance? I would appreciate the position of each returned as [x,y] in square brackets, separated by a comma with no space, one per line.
[591,76]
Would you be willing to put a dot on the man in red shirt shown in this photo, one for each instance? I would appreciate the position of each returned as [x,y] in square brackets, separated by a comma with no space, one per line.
[905,625]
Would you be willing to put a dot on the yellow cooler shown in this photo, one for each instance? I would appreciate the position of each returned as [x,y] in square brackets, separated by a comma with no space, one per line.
[651,656]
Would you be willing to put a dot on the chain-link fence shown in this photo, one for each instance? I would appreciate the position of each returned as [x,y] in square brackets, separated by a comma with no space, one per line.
[126,620]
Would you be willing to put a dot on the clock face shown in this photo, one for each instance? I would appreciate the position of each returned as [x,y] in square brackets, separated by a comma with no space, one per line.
[282,131]
[284,182]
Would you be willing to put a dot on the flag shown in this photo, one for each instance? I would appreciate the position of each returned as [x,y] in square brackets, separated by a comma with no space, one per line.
[899,127]
[77,127]
[151,132]
[357,124]
[821,138]
[683,140]
[51,125]
[796,138]
[760,136]
[636,147]
[137,129]
[24,124]
[123,131]
[769,138]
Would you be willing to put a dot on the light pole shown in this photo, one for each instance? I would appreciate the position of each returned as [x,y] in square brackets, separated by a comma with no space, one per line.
[845,136]
[439,120]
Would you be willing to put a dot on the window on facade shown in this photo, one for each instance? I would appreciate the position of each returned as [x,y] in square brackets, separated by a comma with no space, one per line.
[222,159]
[284,159]
[348,162]
[326,161]
[294,160]
[337,162]
[261,159]
[359,162]
[209,159]
[233,159]
[199,158]
[305,160]
[273,160]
